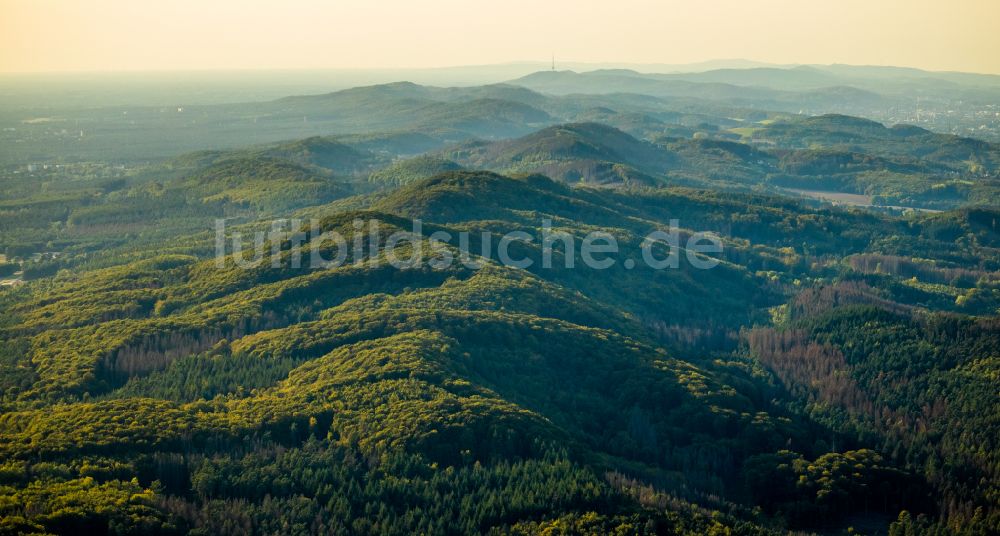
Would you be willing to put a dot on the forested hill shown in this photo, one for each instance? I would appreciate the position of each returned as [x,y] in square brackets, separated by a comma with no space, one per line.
[837,368]
[898,166]
[830,368]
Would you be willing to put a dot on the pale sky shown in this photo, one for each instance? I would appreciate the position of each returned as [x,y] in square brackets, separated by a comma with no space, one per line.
[124,35]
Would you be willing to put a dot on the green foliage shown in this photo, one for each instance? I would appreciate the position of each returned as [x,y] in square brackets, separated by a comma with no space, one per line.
[584,152]
[806,492]
[82,506]
[412,169]
[147,389]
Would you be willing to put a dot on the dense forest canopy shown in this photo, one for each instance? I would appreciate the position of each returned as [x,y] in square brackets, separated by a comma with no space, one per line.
[835,372]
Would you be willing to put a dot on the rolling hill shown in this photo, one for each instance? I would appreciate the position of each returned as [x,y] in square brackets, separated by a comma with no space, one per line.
[584,152]
[381,310]
[362,397]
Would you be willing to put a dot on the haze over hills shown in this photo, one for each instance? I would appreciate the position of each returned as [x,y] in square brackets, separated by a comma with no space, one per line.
[216,87]
[945,102]
[174,360]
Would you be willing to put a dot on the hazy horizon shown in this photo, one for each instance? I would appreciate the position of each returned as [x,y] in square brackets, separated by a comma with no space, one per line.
[576,65]
[58,36]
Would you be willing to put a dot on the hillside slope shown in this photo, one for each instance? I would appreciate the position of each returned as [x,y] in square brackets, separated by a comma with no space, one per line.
[364,398]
